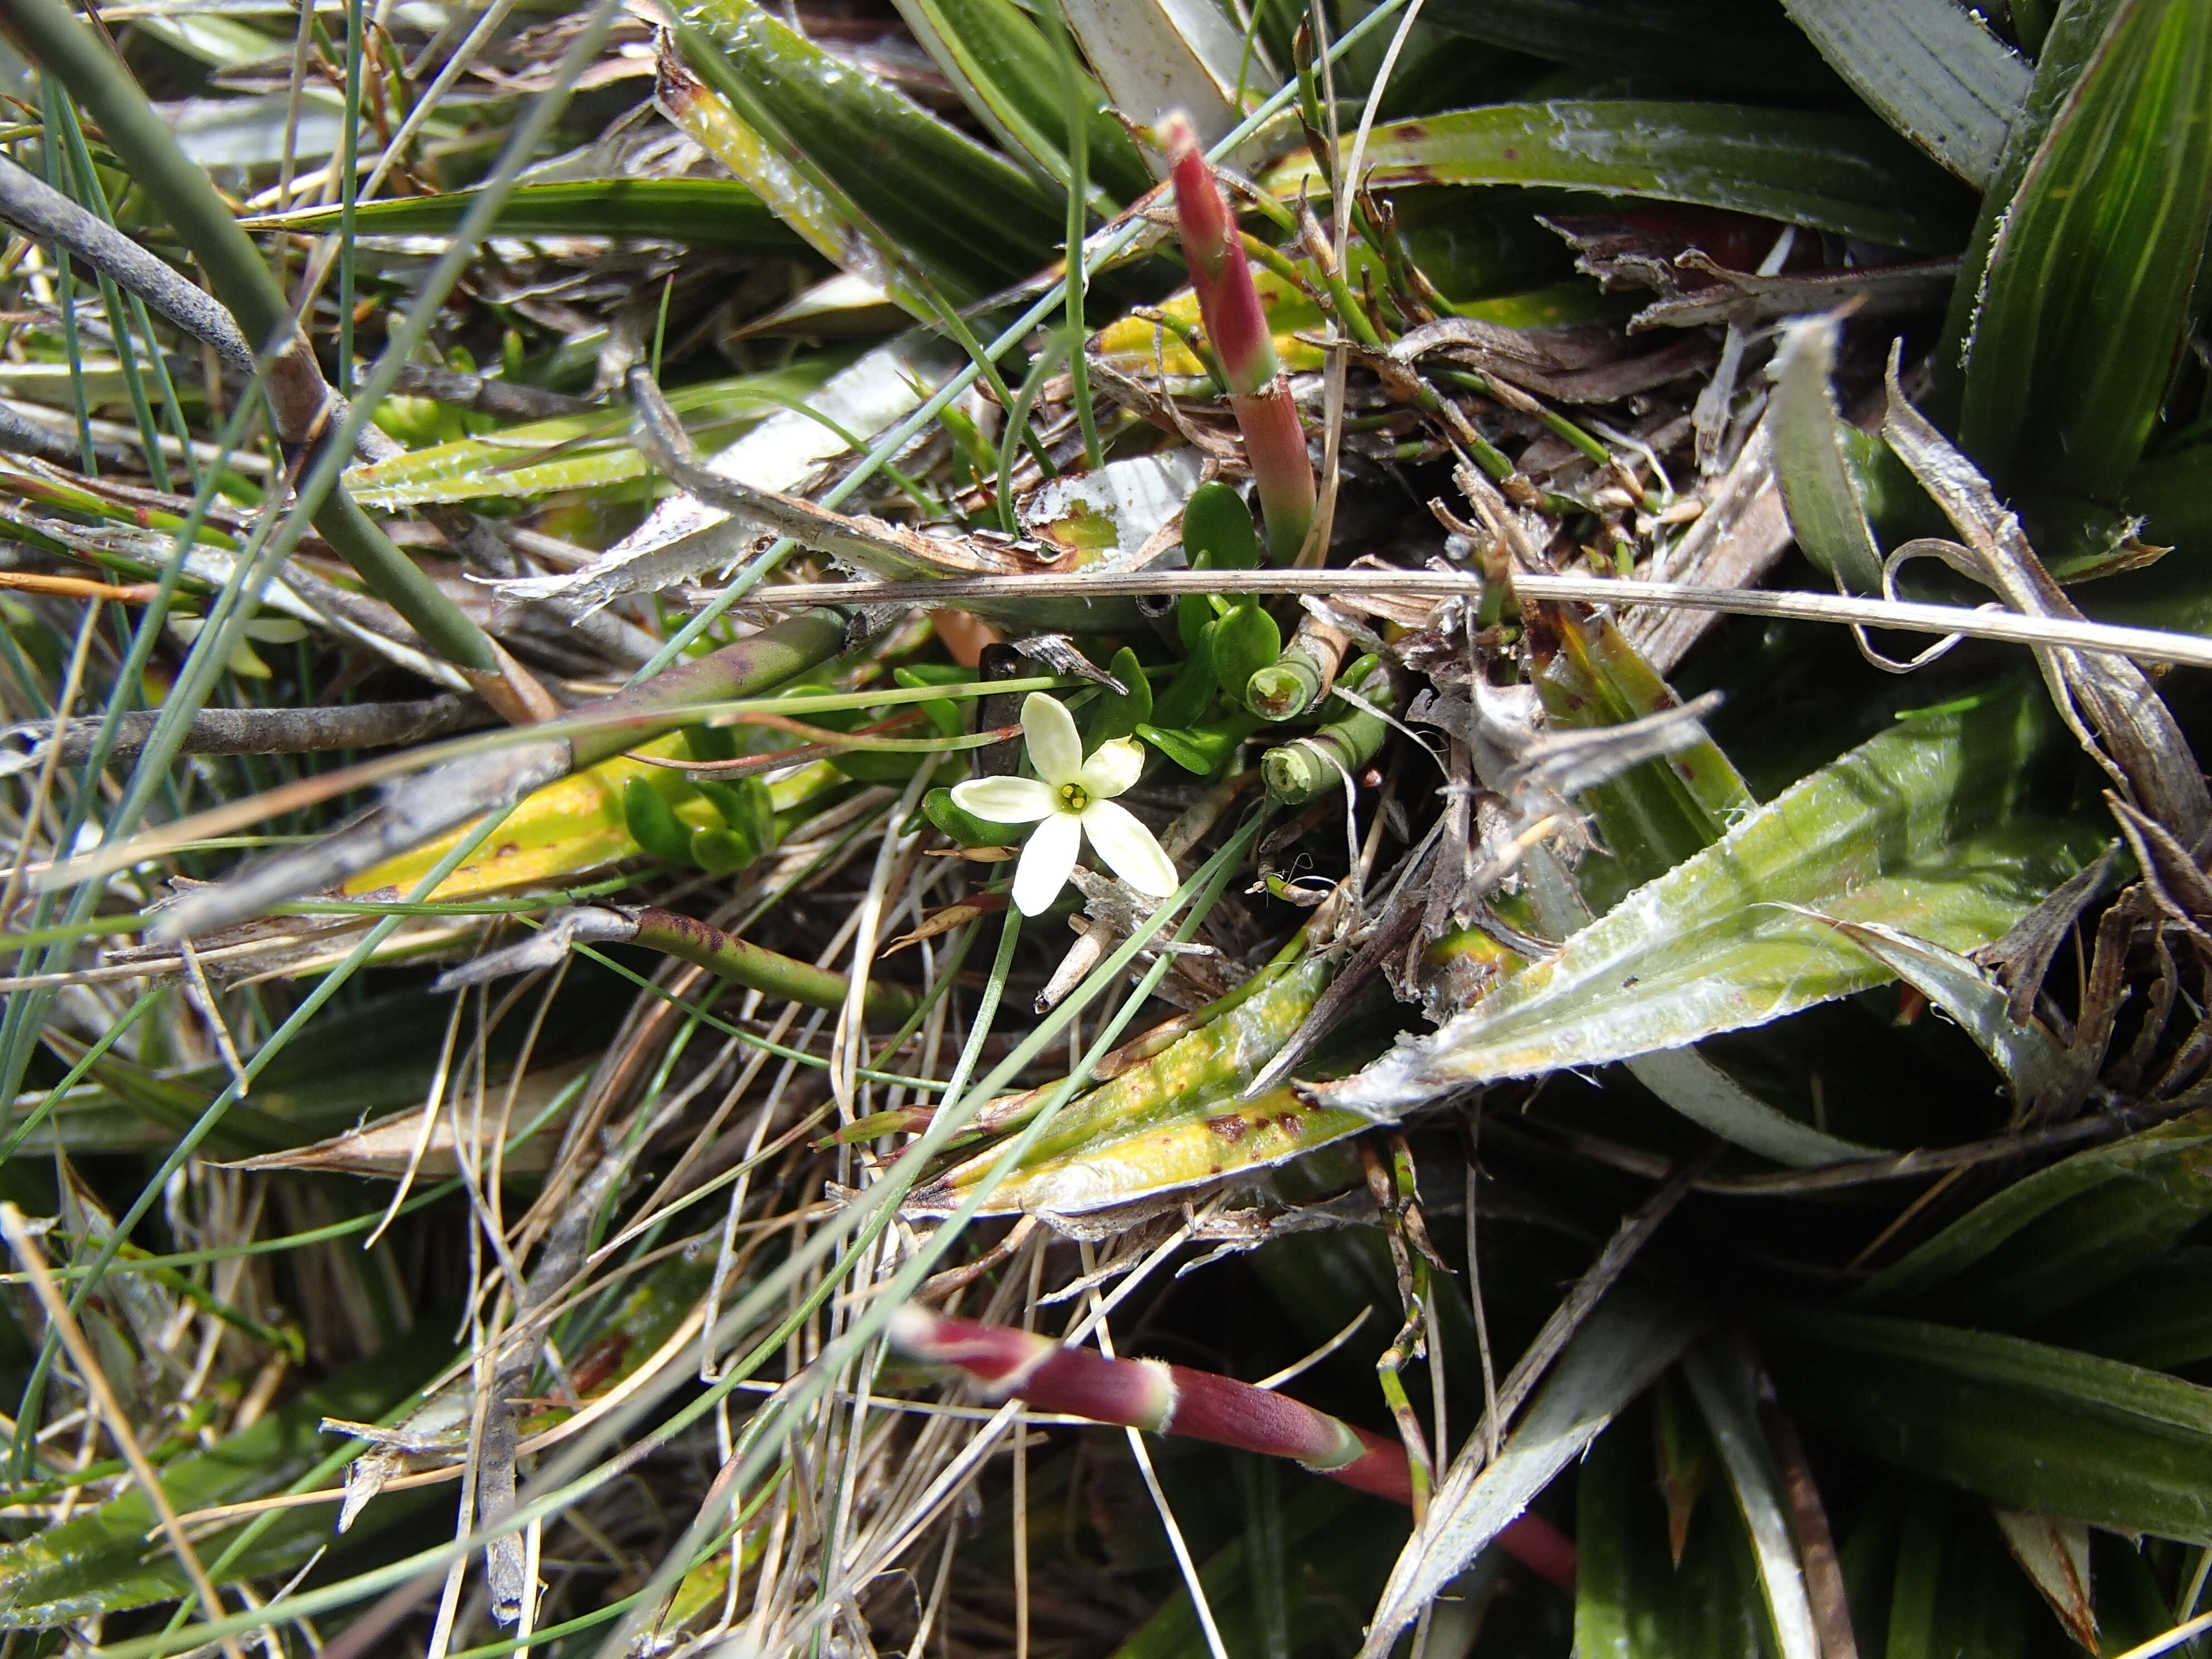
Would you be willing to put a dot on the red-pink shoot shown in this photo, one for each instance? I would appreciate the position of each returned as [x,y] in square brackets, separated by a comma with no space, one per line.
[1258,395]
[1147,1394]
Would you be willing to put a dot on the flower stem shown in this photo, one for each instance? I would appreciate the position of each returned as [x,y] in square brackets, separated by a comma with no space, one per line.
[1258,394]
[742,963]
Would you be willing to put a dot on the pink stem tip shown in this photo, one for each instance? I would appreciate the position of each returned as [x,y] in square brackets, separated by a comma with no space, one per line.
[1146,1394]
[1258,395]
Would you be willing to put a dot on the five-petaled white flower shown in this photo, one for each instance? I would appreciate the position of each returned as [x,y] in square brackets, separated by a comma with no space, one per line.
[1074,799]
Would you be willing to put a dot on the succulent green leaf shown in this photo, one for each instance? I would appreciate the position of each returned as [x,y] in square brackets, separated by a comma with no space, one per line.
[1929,68]
[1200,749]
[654,825]
[2084,301]
[1116,715]
[964,827]
[1241,644]
[1829,171]
[1219,532]
[2022,1424]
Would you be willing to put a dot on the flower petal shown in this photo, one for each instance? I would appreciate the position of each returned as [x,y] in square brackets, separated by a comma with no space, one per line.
[1004,800]
[1113,768]
[1129,850]
[1047,859]
[1055,750]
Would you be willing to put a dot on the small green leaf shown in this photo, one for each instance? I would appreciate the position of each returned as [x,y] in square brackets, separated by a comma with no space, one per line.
[1241,644]
[942,712]
[1114,715]
[1217,529]
[2085,299]
[746,808]
[654,825]
[1190,694]
[964,827]
[1200,749]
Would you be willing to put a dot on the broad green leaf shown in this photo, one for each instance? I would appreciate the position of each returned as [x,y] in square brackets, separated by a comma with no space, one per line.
[1923,829]
[1812,462]
[101,1562]
[926,196]
[1176,1120]
[1157,55]
[1656,814]
[1720,1383]
[2027,1056]
[1746,46]
[2059,58]
[2053,1551]
[682,539]
[2052,1240]
[571,451]
[1929,68]
[1649,819]
[697,212]
[1843,172]
[1954,1595]
[1343,1545]
[2020,1422]
[2160,1315]
[1631,1601]
[2083,302]
[1006,73]
[1630,1338]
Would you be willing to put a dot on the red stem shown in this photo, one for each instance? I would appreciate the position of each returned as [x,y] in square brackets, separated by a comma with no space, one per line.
[1236,323]
[1146,1393]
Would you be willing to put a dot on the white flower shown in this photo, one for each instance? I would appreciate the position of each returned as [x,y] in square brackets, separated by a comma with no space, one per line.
[1075,799]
